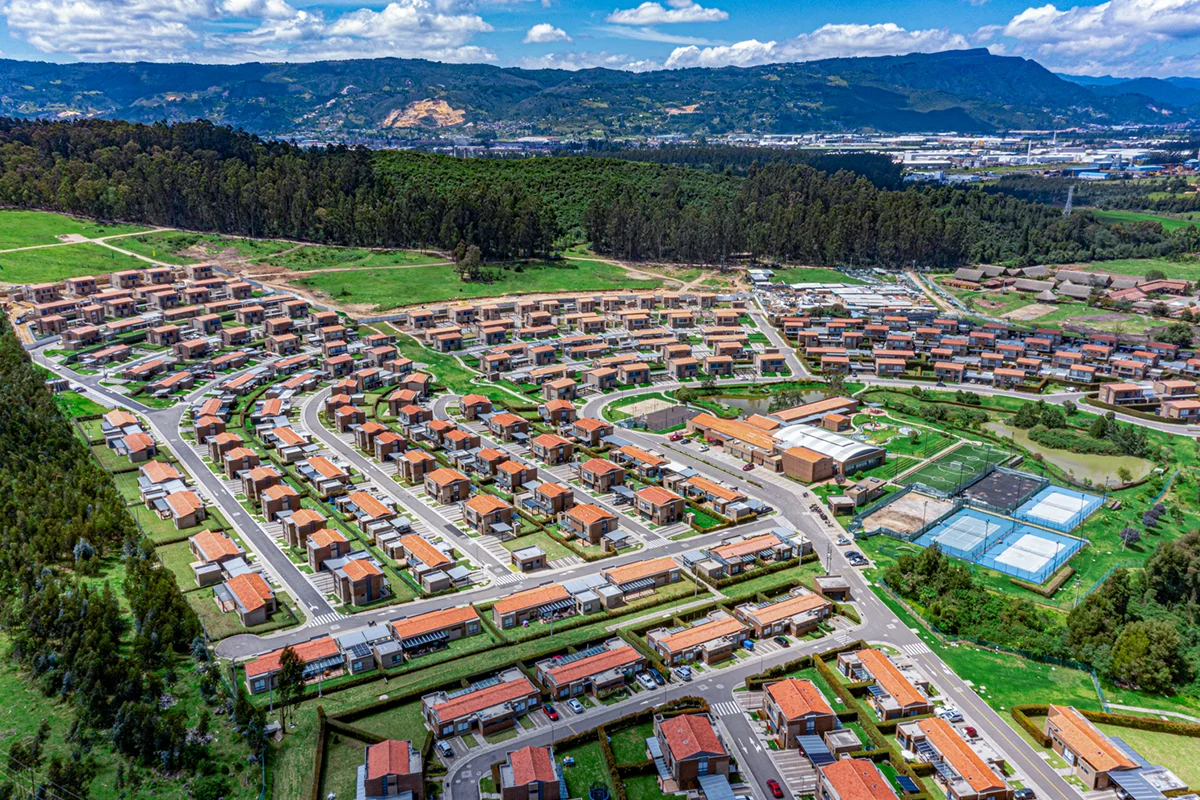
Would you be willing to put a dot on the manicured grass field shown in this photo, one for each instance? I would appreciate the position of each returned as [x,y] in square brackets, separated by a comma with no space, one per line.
[56,263]
[445,368]
[168,246]
[801,575]
[955,467]
[550,547]
[31,228]
[1180,754]
[343,757]
[1185,270]
[1128,217]
[643,787]
[391,288]
[810,275]
[629,744]
[313,257]
[589,768]
[76,405]
[219,625]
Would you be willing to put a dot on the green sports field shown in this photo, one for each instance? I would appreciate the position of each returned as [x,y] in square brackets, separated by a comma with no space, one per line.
[956,467]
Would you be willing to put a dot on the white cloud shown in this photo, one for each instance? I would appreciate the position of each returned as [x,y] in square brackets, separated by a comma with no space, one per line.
[159,30]
[544,33]
[650,13]
[1117,27]
[828,41]
[651,35]
[588,60]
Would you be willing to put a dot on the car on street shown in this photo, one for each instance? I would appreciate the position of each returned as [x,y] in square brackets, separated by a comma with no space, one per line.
[1023,794]
[773,785]
[575,705]
[551,712]
[951,714]
[658,676]
[971,732]
[747,468]
[684,673]
[445,749]
[645,680]
[675,437]
[782,641]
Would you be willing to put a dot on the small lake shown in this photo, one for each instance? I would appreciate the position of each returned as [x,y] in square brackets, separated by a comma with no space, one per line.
[1081,465]
[762,405]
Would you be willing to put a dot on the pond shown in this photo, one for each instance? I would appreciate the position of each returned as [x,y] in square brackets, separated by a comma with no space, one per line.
[762,405]
[1096,467]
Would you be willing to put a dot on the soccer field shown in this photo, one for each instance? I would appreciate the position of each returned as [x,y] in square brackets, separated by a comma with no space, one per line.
[955,468]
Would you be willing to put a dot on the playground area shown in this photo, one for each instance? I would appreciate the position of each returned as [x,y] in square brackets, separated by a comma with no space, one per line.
[960,467]
[1058,508]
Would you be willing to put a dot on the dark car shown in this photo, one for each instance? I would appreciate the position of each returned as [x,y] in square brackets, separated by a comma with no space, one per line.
[550,712]
[658,677]
[1024,794]
[782,641]
[776,790]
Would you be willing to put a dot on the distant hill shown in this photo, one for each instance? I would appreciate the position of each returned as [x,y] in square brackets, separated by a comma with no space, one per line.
[1177,92]
[963,90]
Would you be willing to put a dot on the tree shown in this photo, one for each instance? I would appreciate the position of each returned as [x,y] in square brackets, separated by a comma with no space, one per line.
[1069,408]
[1099,428]
[470,268]
[290,682]
[835,385]
[1129,536]
[1124,474]
[1155,275]
[1149,655]
[1179,333]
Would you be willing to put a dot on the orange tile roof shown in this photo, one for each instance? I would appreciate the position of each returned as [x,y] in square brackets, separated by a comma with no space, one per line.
[305,516]
[251,590]
[590,513]
[798,698]
[714,488]
[688,735]
[639,569]
[556,405]
[532,764]
[746,547]
[735,430]
[812,409]
[552,489]
[421,549]
[505,419]
[637,454]
[370,505]
[889,678]
[214,545]
[160,471]
[788,607]
[431,621]
[326,468]
[288,436]
[493,695]
[325,537]
[487,503]
[389,757]
[550,440]
[1086,741]
[279,490]
[415,455]
[307,651]
[599,466]
[962,757]
[136,442]
[857,779]
[512,467]
[592,665]
[120,418]
[262,473]
[699,634]
[444,476]
[184,503]
[590,424]
[658,495]
[360,568]
[531,598]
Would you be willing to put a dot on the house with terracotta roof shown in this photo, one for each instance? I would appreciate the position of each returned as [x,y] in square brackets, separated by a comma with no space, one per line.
[137,447]
[414,464]
[589,522]
[590,431]
[391,768]
[853,779]
[207,427]
[1093,756]
[279,500]
[447,486]
[530,774]
[552,450]
[546,603]
[156,479]
[434,630]
[597,671]
[320,656]
[638,578]
[511,475]
[488,514]
[365,435]
[324,544]
[552,499]
[708,492]
[420,553]
[508,427]
[898,695]
[368,511]
[557,412]
[185,508]
[486,707]
[741,553]
[710,639]
[600,475]
[327,478]
[796,708]
[211,547]
[660,506]
[357,578]
[691,748]
[249,595]
[647,465]
[962,772]
[797,614]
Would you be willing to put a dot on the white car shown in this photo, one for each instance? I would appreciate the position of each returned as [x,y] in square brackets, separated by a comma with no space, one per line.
[575,705]
[704,448]
[645,680]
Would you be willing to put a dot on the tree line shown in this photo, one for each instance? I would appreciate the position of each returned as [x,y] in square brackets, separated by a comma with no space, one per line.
[65,531]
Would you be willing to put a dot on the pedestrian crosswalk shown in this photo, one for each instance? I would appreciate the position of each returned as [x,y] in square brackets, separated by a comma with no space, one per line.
[727,708]
[915,649]
[325,619]
[565,561]
[504,579]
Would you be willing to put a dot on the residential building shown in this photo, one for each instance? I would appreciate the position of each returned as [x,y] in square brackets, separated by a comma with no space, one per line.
[711,639]
[853,779]
[1090,753]
[795,708]
[488,514]
[796,614]
[546,603]
[589,522]
[485,707]
[321,658]
[531,774]
[597,671]
[897,695]
[690,748]
[391,768]
[960,770]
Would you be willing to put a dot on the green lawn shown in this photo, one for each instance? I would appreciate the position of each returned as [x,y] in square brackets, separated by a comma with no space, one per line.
[402,722]
[810,275]
[56,263]
[643,787]
[552,549]
[1180,754]
[169,246]
[629,744]
[164,530]
[343,757]
[801,575]
[76,405]
[391,288]
[314,257]
[589,768]
[31,228]
[1127,217]
[219,625]
[1185,270]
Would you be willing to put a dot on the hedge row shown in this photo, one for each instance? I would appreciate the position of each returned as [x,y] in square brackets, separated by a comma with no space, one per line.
[1049,589]
[758,572]
[1022,713]
[319,755]
[755,682]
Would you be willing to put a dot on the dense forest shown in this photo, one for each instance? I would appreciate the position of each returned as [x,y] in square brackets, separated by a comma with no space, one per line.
[204,177]
[65,535]
[1171,195]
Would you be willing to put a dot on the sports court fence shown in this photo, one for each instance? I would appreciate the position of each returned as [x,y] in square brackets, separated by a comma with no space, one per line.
[967,534]
[856,522]
[1023,547]
[1028,485]
[1058,509]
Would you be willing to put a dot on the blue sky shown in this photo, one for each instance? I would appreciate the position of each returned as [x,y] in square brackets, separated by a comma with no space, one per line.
[1119,37]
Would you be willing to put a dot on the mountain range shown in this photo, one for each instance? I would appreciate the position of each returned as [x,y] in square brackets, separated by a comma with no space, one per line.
[1179,92]
[963,90]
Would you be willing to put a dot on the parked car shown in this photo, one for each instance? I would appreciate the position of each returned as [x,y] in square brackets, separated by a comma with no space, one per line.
[444,749]
[748,644]
[704,448]
[842,541]
[747,468]
[676,436]
[645,680]
[658,676]
[684,673]
[575,705]
[782,641]
[1023,794]
[971,732]
[551,711]
[951,715]
[773,785]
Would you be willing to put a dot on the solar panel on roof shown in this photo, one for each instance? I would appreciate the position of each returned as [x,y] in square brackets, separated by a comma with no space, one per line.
[907,784]
[1134,785]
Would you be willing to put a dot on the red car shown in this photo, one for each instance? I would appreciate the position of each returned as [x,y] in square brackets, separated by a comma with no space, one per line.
[971,732]
[747,468]
[773,785]
[676,436]
[550,712]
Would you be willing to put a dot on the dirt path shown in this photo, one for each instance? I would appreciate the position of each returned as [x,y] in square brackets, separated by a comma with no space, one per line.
[932,295]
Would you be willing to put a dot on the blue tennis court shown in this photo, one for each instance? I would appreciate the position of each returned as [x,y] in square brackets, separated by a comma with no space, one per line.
[1058,508]
[967,533]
